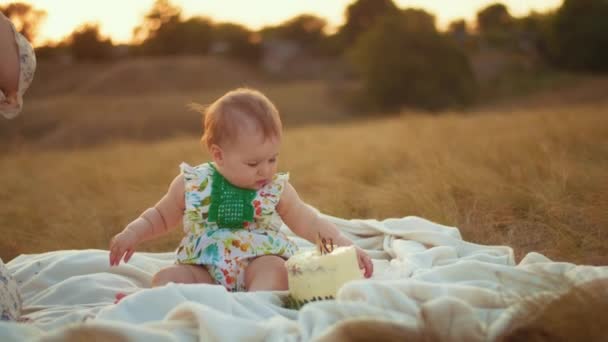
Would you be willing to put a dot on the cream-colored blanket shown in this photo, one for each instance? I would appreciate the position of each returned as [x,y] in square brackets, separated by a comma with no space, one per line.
[426,275]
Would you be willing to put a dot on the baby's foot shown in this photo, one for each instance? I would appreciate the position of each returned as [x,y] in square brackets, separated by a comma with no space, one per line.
[119,296]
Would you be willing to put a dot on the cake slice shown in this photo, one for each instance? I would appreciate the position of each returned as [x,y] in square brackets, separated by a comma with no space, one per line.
[319,273]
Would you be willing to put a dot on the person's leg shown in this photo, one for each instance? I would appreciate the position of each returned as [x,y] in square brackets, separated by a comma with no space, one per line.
[181,273]
[266,273]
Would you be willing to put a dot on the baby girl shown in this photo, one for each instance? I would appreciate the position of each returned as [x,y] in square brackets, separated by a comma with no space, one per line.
[232,207]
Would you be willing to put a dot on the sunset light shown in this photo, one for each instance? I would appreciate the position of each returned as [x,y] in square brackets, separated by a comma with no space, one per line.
[442,170]
[118,18]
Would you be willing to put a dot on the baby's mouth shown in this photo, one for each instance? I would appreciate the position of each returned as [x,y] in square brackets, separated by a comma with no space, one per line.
[261,183]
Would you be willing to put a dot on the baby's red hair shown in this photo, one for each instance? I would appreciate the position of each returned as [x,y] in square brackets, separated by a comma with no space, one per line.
[223,118]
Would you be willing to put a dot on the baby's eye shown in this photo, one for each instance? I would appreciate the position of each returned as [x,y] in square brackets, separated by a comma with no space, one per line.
[272,160]
[252,164]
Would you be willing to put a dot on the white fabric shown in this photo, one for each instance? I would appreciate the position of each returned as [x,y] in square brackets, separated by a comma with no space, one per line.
[425,274]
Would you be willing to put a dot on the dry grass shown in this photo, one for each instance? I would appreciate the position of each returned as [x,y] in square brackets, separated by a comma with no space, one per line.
[97,144]
[74,106]
[532,180]
[76,121]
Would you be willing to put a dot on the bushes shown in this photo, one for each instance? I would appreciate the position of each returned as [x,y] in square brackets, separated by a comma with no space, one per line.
[581,35]
[404,61]
[86,43]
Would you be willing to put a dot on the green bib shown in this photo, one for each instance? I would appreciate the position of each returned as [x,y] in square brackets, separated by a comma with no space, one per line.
[230,206]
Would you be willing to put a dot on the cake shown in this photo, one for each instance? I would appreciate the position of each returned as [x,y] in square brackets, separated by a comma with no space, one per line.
[319,273]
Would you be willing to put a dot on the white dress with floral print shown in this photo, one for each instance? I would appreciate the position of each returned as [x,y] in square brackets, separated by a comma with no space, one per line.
[226,251]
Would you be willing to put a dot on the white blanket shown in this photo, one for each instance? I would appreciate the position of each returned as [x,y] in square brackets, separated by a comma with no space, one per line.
[425,275]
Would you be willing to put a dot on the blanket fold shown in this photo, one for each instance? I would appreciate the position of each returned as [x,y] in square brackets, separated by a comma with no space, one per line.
[426,278]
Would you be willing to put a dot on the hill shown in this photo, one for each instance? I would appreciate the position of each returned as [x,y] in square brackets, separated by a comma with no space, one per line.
[140,76]
[147,99]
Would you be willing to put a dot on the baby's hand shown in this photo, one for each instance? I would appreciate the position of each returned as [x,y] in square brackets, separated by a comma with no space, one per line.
[365,262]
[122,244]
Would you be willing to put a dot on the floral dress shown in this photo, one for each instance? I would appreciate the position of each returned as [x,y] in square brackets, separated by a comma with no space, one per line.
[226,249]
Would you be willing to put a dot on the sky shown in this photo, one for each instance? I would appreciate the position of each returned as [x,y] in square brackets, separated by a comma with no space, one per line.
[117,18]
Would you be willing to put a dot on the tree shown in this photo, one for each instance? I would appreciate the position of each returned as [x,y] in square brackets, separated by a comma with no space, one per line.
[26,19]
[458,27]
[86,43]
[163,32]
[494,18]
[536,31]
[362,15]
[458,31]
[161,13]
[307,30]
[194,35]
[495,25]
[190,37]
[403,60]
[237,42]
[581,35]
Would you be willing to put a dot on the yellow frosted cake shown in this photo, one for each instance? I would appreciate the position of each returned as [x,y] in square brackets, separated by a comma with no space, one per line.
[319,273]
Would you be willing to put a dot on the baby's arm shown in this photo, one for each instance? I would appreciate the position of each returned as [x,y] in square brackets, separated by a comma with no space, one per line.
[305,222]
[164,215]
[9,59]
[153,222]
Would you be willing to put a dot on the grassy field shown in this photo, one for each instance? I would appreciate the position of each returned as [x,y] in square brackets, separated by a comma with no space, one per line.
[78,166]
[147,100]
[534,181]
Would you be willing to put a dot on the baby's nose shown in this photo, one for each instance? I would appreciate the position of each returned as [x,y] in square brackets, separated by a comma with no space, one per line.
[264,169]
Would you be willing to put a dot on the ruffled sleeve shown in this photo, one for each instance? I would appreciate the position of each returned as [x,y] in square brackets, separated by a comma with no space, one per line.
[276,186]
[281,180]
[195,176]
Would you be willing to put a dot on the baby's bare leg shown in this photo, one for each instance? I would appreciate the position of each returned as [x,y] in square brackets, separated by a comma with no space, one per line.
[185,274]
[266,273]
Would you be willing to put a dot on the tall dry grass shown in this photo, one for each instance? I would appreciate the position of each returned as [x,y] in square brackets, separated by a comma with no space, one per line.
[79,105]
[76,121]
[534,180]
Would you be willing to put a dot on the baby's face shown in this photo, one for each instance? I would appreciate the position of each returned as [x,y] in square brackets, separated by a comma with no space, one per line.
[250,161]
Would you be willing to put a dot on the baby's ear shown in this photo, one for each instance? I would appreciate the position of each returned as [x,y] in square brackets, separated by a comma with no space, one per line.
[217,154]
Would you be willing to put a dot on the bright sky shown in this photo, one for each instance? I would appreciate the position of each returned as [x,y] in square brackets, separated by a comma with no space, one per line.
[117,18]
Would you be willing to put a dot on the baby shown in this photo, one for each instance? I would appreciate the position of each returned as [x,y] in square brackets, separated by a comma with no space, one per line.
[230,206]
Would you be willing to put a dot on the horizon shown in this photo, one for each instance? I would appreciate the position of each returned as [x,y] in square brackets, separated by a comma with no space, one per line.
[119,25]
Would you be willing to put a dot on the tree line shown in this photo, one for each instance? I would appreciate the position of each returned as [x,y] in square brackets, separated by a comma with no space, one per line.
[399,54]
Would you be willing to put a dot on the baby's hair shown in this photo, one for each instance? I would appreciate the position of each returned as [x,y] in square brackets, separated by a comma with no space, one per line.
[223,118]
